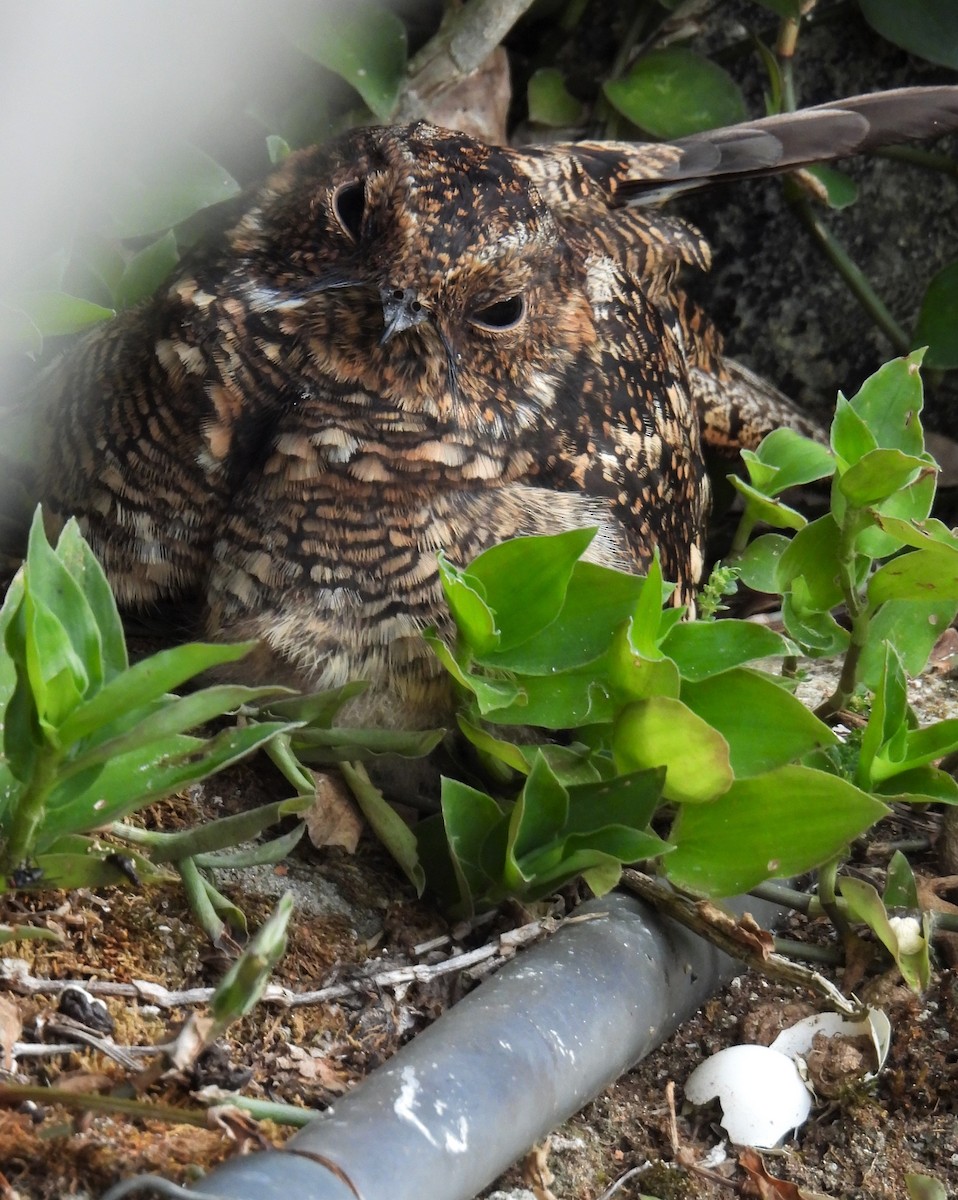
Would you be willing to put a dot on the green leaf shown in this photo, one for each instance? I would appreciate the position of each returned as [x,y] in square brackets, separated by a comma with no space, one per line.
[474,618]
[116,705]
[923,1187]
[813,554]
[901,890]
[277,148]
[923,535]
[470,817]
[840,189]
[264,854]
[771,826]
[890,403]
[28,933]
[130,781]
[628,800]
[912,627]
[850,437]
[364,43]
[539,815]
[912,503]
[918,748]
[630,675]
[865,903]
[917,575]
[795,459]
[878,474]
[55,600]
[315,709]
[176,714]
[760,507]
[555,833]
[928,28]
[550,101]
[597,601]
[159,192]
[82,862]
[761,561]
[55,671]
[764,725]
[937,326]
[672,93]
[145,272]
[662,732]
[18,334]
[525,580]
[702,649]
[387,825]
[56,314]
[563,701]
[244,983]
[887,719]
[342,744]
[491,747]
[76,555]
[817,633]
[922,785]
[213,835]
[490,694]
[646,628]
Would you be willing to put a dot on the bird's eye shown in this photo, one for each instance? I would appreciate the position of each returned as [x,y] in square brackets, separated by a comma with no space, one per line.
[504,314]
[349,203]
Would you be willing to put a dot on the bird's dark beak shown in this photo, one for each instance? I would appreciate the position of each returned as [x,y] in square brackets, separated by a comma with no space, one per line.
[401,310]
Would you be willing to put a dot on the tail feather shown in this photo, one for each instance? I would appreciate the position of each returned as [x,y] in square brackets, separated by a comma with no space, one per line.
[790,140]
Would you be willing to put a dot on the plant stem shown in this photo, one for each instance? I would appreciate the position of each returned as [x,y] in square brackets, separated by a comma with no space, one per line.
[783,895]
[918,156]
[281,753]
[743,532]
[858,283]
[856,603]
[195,887]
[29,810]
[808,951]
[828,896]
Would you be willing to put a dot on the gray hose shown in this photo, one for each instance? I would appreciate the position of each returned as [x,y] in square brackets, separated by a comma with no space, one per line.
[518,1056]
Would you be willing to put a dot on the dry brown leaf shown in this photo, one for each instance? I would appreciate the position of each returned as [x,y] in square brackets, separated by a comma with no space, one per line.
[333,819]
[943,659]
[191,1041]
[315,1070]
[535,1171]
[763,1186]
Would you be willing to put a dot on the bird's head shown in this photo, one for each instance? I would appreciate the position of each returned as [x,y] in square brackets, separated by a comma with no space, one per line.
[419,270]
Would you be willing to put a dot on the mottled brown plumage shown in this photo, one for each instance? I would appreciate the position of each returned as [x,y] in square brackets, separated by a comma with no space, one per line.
[413,341]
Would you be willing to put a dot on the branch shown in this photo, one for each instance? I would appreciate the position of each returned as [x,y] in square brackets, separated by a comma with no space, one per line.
[465,39]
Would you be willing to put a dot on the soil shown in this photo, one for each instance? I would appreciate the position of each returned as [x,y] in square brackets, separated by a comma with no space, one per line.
[356,920]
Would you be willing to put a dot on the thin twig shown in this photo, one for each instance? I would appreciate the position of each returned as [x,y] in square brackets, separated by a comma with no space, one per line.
[15,976]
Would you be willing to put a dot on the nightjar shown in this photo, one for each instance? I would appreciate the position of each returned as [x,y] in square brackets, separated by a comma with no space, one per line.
[413,341]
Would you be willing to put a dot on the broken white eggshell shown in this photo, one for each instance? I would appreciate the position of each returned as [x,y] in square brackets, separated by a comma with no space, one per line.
[762,1094]
[796,1041]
